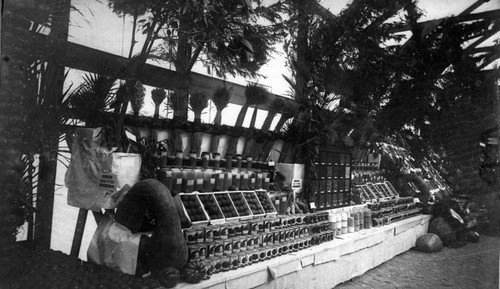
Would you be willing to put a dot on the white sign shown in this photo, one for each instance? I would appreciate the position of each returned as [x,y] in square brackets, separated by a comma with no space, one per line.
[296,184]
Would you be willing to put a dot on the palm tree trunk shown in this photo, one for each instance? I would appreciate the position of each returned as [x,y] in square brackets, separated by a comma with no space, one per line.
[268,121]
[157,111]
[280,124]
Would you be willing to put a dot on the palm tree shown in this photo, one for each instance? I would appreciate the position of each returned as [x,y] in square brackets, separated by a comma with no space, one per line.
[254,95]
[198,101]
[158,95]
[278,105]
[220,99]
[290,110]
[137,101]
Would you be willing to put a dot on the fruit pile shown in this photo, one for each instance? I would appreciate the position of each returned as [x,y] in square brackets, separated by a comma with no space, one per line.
[193,208]
[211,207]
[254,203]
[265,201]
[226,205]
[240,203]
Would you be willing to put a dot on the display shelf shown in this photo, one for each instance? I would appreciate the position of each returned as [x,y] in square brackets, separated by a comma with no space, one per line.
[212,208]
[193,208]
[241,205]
[266,202]
[254,203]
[226,205]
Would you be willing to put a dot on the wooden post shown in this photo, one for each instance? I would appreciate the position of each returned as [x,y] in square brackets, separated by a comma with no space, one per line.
[48,158]
[80,228]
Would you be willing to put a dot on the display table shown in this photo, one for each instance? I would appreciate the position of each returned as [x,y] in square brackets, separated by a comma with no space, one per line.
[327,264]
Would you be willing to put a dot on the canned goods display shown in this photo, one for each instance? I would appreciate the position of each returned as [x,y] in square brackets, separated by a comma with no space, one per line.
[225,263]
[236,245]
[235,261]
[243,257]
[250,243]
[238,229]
[231,230]
[255,256]
[193,252]
[216,232]
[254,227]
[223,232]
[210,249]
[190,236]
[200,235]
[262,254]
[228,247]
[243,243]
[219,248]
[209,234]
[269,253]
[274,251]
[217,264]
[202,248]
[257,240]
[245,228]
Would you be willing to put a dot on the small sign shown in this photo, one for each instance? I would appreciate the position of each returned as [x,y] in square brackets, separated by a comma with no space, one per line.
[312,205]
[107,181]
[130,136]
[296,184]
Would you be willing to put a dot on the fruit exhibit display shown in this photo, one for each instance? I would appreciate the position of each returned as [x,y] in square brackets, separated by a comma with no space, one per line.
[193,207]
[265,201]
[211,207]
[226,205]
[254,203]
[240,204]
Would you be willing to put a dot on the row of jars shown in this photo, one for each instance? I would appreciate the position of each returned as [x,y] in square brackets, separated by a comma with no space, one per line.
[394,217]
[350,222]
[199,234]
[234,259]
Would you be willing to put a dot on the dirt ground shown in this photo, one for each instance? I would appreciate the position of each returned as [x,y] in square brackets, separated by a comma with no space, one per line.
[475,265]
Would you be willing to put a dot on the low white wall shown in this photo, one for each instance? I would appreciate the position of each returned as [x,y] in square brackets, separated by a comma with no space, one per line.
[325,265]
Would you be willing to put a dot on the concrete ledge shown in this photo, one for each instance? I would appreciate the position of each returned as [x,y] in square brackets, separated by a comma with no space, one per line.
[327,264]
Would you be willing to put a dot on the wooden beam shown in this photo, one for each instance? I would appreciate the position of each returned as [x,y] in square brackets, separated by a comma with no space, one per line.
[88,59]
[484,37]
[493,14]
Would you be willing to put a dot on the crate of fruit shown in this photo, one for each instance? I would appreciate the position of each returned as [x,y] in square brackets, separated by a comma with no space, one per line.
[254,203]
[266,202]
[212,208]
[226,205]
[193,208]
[241,205]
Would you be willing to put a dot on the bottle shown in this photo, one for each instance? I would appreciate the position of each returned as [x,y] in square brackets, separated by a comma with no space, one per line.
[218,174]
[236,175]
[189,174]
[228,176]
[177,174]
[207,173]
[252,176]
